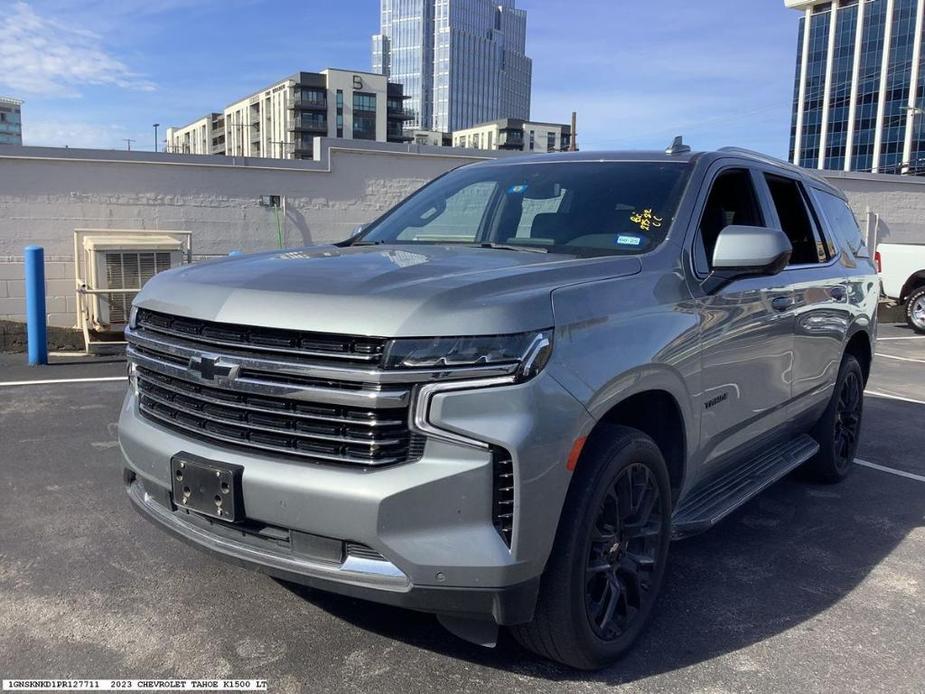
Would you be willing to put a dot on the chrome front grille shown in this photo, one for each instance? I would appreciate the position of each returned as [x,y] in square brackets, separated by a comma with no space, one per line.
[281,399]
[249,340]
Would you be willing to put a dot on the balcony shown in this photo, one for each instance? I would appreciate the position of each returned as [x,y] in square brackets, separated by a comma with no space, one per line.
[310,126]
[401,114]
[511,140]
[310,104]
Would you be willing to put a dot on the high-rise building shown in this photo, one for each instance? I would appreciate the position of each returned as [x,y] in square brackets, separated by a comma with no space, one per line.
[282,120]
[859,94]
[462,62]
[10,121]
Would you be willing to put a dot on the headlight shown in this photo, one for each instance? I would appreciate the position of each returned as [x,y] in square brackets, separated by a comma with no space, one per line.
[529,350]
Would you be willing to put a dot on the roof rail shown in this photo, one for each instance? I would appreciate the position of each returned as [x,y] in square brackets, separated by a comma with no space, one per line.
[768,159]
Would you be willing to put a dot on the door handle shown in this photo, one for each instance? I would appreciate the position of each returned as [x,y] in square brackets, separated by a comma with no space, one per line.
[781,303]
[838,293]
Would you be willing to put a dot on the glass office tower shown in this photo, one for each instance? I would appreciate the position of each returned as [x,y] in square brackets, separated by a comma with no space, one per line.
[859,88]
[10,121]
[461,62]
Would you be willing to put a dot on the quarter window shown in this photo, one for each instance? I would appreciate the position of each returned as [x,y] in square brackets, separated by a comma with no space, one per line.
[841,220]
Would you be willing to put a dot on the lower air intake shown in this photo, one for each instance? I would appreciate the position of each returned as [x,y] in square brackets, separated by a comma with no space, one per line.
[503,495]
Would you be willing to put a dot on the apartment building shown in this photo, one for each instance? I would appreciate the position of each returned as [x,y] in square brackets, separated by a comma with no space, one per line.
[514,134]
[282,120]
[10,121]
[203,136]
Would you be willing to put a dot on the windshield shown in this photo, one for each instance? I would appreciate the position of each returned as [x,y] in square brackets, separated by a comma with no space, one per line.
[576,207]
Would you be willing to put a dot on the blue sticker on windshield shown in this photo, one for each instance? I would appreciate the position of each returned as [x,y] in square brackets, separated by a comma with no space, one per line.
[522,188]
[626,240]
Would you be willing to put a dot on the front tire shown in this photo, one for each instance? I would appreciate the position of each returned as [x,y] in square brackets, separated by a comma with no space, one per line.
[915,310]
[839,429]
[608,561]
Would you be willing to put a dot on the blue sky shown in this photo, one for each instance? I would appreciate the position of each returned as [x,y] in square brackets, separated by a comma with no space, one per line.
[93,72]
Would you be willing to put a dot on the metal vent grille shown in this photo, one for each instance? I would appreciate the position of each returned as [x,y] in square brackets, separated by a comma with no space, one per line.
[130,271]
[355,549]
[503,495]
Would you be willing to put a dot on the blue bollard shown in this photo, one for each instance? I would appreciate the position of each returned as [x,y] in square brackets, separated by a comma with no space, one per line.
[36,331]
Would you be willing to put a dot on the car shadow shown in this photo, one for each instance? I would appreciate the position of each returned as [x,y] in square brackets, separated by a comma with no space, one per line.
[782,559]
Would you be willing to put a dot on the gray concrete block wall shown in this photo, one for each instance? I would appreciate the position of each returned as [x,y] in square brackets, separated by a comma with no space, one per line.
[60,297]
[46,193]
[898,202]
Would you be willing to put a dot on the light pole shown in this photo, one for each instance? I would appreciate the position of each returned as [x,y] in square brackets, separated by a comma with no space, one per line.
[156,126]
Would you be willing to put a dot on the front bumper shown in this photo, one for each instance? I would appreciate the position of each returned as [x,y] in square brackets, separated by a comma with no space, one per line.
[430,520]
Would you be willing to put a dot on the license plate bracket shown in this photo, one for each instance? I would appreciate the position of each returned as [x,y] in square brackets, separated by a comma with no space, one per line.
[209,487]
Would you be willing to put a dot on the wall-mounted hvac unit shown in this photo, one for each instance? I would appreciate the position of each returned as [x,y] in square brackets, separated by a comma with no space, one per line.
[124,263]
[113,265]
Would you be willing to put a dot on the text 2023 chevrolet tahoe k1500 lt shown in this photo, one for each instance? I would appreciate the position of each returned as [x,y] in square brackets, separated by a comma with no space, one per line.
[502,399]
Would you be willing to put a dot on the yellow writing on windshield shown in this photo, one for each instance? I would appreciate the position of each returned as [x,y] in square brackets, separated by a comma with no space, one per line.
[646,219]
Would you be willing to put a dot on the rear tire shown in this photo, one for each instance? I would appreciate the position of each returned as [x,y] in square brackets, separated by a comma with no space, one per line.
[839,428]
[915,310]
[608,560]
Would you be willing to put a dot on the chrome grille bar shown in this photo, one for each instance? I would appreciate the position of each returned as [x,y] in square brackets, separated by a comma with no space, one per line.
[182,350]
[214,396]
[247,422]
[320,457]
[367,350]
[394,398]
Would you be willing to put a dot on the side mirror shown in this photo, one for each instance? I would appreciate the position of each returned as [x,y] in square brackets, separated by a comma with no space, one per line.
[743,251]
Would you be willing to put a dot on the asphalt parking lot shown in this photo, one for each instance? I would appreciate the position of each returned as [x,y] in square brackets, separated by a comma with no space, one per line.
[807,588]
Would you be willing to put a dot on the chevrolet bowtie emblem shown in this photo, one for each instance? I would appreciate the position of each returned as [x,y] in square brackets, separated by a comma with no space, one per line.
[213,368]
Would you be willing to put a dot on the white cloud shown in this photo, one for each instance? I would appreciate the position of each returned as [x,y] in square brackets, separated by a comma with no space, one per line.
[46,57]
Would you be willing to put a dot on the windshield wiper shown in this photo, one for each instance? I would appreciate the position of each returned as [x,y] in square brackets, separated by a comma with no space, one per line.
[512,247]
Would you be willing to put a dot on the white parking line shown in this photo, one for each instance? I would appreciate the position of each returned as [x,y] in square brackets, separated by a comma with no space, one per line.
[891,356]
[904,337]
[51,381]
[878,394]
[898,473]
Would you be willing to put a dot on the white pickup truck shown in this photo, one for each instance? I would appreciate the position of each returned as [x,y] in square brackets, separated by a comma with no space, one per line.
[902,273]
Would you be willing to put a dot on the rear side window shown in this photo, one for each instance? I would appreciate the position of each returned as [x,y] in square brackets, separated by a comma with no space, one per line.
[841,220]
[795,221]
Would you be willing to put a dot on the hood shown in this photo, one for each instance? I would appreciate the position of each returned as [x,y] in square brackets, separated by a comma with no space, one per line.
[384,291]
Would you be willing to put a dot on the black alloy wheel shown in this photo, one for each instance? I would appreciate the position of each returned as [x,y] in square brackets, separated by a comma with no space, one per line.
[623,552]
[838,430]
[848,419]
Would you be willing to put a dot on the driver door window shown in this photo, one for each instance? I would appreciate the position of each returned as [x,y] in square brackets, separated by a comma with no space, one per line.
[732,200]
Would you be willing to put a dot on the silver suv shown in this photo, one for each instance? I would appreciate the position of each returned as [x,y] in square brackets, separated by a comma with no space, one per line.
[501,400]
